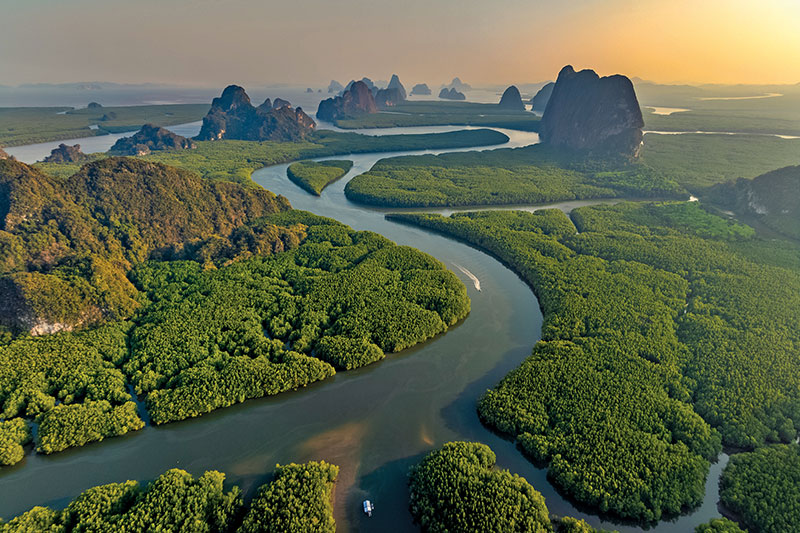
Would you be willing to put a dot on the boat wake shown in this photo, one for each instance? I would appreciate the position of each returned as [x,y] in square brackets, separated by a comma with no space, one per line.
[471,276]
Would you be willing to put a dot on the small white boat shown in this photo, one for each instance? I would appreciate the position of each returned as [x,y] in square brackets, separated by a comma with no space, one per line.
[368,507]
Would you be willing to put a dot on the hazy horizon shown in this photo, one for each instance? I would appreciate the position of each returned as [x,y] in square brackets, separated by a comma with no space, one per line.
[309,42]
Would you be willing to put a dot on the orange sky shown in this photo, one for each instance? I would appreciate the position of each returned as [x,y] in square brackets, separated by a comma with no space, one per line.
[213,42]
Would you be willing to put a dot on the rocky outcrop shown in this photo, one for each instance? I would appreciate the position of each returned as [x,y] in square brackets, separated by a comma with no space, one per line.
[366,81]
[773,197]
[66,154]
[512,100]
[335,87]
[451,94]
[93,105]
[309,90]
[356,100]
[232,116]
[3,154]
[421,89]
[394,83]
[459,85]
[389,97]
[150,139]
[280,102]
[540,99]
[593,114]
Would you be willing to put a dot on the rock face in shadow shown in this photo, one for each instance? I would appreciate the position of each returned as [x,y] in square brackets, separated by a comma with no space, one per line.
[512,100]
[451,94]
[279,103]
[150,139]
[66,154]
[394,83]
[421,89]
[232,116]
[773,197]
[593,114]
[356,100]
[540,99]
[389,97]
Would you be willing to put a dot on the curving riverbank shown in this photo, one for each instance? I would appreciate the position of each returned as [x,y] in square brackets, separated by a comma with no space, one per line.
[374,422]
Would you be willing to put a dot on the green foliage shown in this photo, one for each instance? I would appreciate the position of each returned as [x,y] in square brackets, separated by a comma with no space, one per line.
[314,176]
[652,317]
[65,245]
[30,125]
[428,113]
[14,434]
[297,500]
[719,525]
[763,488]
[66,426]
[236,160]
[699,161]
[341,297]
[456,488]
[75,370]
[534,174]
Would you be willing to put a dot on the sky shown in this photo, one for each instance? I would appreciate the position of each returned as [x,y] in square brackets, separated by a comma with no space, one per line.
[309,42]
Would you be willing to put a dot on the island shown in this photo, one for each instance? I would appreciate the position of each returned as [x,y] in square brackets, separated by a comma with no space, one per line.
[420,89]
[451,94]
[149,139]
[232,116]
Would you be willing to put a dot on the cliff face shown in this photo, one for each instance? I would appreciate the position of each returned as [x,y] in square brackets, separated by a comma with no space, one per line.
[355,100]
[66,154]
[774,197]
[151,138]
[3,154]
[539,101]
[512,100]
[232,116]
[590,113]
[389,97]
[394,83]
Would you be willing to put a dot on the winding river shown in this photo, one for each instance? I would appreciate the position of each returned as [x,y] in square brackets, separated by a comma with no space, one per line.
[374,422]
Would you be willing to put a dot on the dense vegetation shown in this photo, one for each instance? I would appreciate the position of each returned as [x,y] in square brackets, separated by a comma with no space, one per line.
[341,299]
[298,500]
[421,113]
[66,244]
[534,174]
[763,488]
[667,329]
[719,525]
[70,385]
[699,161]
[456,489]
[231,294]
[30,125]
[314,176]
[236,160]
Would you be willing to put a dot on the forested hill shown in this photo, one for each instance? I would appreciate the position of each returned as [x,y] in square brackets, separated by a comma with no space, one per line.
[67,243]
